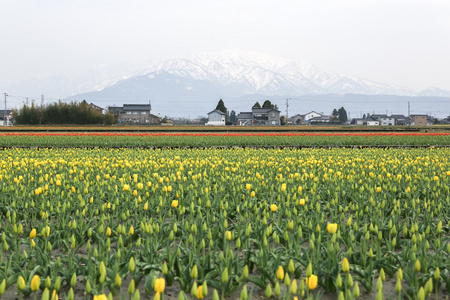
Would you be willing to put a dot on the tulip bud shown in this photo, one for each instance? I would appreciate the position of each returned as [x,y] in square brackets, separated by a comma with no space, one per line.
[194,272]
[225,275]
[280,273]
[117,281]
[437,274]
[35,283]
[215,295]
[70,295]
[339,281]
[287,280]
[2,287]
[309,270]
[131,287]
[382,275]
[194,290]
[277,289]
[291,266]
[417,266]
[88,288]
[356,290]
[73,280]
[245,272]
[57,283]
[244,294]
[131,265]
[268,291]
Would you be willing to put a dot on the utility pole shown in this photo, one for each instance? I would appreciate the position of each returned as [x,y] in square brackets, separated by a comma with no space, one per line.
[4,117]
[27,101]
[287,110]
[408,109]
[42,100]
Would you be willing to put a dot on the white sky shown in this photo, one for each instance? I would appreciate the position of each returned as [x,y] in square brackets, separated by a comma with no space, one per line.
[402,42]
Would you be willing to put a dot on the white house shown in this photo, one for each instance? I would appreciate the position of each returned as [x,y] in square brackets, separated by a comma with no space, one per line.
[372,121]
[310,115]
[216,118]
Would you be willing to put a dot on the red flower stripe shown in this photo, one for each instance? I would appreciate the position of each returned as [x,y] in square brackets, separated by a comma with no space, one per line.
[162,134]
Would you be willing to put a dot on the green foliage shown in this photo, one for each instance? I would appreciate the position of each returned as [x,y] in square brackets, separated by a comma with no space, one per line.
[256,105]
[62,113]
[221,106]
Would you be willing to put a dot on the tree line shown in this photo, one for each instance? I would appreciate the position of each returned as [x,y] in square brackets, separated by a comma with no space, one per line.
[61,113]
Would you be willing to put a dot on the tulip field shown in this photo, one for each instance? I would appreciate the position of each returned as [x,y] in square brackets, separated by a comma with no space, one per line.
[235,223]
[164,139]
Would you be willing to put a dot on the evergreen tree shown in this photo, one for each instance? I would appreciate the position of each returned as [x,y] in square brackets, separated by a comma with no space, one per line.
[257,105]
[233,117]
[335,113]
[342,115]
[267,104]
[221,106]
[364,116]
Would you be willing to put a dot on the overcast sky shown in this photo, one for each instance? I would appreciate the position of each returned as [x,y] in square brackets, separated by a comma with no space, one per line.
[404,42]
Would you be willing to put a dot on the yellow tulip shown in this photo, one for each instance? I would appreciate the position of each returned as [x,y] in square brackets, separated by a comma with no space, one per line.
[273,207]
[33,233]
[345,265]
[174,203]
[332,227]
[311,282]
[302,201]
[280,273]
[199,292]
[35,283]
[160,284]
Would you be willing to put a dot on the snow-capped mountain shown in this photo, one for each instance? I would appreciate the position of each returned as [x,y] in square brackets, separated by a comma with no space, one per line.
[178,83]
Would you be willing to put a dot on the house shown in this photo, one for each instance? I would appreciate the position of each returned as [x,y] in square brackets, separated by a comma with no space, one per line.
[310,115]
[400,119]
[216,118]
[371,121]
[96,107]
[259,116]
[357,121]
[320,120]
[134,114]
[384,120]
[9,118]
[418,120]
[297,119]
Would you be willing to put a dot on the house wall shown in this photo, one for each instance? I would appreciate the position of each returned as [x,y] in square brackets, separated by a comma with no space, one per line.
[216,117]
[274,118]
[373,123]
[312,115]
[135,117]
[387,121]
[419,120]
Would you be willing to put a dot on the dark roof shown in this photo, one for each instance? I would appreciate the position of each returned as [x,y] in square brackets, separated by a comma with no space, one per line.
[134,107]
[113,109]
[371,119]
[263,110]
[320,118]
[2,111]
[217,111]
[398,116]
[244,115]
[379,116]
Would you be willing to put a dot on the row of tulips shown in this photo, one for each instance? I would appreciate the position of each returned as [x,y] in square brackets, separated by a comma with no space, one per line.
[282,223]
[118,139]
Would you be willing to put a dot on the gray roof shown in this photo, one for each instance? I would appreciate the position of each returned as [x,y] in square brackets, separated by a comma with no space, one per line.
[217,111]
[136,107]
[244,115]
[263,110]
[398,116]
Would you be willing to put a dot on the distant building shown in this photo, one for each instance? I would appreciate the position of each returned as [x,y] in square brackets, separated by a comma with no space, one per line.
[134,114]
[9,118]
[320,120]
[216,118]
[371,121]
[96,107]
[310,115]
[418,120]
[259,116]
[297,119]
[400,119]
[357,121]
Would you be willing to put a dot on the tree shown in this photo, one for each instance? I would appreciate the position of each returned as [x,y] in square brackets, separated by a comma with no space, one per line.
[221,106]
[257,105]
[267,104]
[335,113]
[364,116]
[283,120]
[342,115]
[233,117]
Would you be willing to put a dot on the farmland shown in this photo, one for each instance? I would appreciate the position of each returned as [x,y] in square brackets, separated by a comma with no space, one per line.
[220,223]
[183,139]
